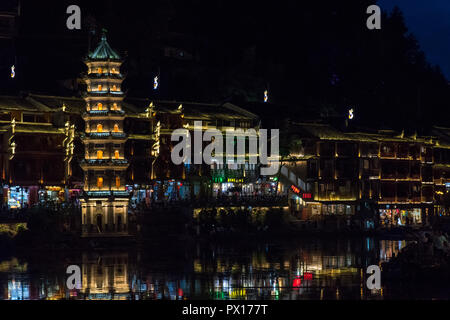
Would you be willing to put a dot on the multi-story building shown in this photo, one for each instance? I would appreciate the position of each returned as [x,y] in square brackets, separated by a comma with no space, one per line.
[190,180]
[441,171]
[383,176]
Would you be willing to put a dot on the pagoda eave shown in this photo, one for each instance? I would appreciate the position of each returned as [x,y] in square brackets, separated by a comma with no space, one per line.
[99,116]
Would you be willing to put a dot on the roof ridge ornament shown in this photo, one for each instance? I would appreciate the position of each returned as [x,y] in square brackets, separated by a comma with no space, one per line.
[104,32]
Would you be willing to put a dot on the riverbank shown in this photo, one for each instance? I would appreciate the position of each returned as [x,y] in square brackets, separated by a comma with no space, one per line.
[47,230]
[72,242]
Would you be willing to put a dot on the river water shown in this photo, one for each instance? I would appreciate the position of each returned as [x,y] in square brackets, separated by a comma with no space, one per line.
[303,269]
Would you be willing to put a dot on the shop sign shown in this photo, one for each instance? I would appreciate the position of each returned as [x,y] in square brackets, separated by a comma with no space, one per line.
[300,194]
[295,189]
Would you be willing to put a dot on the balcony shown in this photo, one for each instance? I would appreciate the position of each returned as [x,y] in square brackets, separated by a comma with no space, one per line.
[108,193]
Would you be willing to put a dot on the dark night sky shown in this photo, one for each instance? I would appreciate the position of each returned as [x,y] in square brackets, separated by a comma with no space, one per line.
[313,55]
[429,21]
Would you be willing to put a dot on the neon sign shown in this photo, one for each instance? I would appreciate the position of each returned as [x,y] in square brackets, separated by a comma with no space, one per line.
[307,276]
[297,282]
[295,189]
[300,194]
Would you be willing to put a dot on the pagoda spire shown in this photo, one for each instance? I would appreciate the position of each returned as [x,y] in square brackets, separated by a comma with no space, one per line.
[105,206]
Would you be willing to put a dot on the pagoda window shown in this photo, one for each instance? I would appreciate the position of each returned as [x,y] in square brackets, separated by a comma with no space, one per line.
[117,182]
[115,106]
[114,88]
[116,128]
[99,128]
[100,106]
[99,182]
[99,154]
[113,70]
[99,70]
[116,154]
[99,88]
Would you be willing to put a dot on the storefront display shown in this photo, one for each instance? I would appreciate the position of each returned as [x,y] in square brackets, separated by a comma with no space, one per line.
[17,197]
[400,217]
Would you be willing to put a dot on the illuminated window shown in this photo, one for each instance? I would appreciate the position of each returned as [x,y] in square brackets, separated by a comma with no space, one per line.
[114,88]
[100,106]
[99,182]
[117,182]
[99,88]
[99,70]
[99,154]
[115,106]
[116,128]
[99,128]
[116,154]
[113,70]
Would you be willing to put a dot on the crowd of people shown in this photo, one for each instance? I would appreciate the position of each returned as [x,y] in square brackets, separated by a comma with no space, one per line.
[427,259]
[435,243]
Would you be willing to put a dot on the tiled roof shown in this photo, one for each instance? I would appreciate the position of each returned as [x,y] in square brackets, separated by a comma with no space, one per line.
[104,51]
[16,103]
[205,111]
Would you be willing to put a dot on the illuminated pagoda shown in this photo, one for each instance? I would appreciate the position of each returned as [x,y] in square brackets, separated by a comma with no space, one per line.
[105,205]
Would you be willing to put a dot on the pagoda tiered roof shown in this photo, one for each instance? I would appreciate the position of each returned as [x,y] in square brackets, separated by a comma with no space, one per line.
[103,52]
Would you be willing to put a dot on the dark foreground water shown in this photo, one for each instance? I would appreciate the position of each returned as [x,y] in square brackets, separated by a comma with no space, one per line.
[307,269]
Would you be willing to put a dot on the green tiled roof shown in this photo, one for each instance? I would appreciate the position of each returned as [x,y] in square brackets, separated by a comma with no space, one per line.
[104,51]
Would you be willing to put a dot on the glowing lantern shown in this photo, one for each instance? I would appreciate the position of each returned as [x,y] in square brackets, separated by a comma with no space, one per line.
[13,72]
[155,82]
[266,96]
[297,282]
[99,182]
[350,114]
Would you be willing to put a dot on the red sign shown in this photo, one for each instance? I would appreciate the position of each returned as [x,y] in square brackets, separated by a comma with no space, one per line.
[307,276]
[295,189]
[302,195]
[297,282]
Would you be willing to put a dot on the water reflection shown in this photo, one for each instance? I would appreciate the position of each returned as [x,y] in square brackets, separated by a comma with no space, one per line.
[318,270]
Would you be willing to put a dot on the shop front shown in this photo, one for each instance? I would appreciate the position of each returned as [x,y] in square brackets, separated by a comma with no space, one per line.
[169,190]
[400,216]
[17,197]
[232,186]
[341,209]
[53,194]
